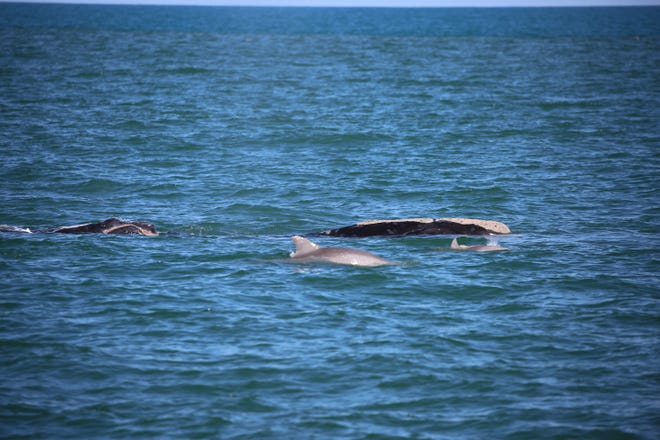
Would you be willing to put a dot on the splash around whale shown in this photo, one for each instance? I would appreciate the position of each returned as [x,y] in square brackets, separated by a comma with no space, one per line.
[310,252]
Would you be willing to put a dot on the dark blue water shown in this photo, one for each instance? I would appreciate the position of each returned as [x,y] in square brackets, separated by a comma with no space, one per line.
[235,128]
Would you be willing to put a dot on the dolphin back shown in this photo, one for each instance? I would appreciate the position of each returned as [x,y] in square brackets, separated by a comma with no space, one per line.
[477,248]
[311,252]
[353,257]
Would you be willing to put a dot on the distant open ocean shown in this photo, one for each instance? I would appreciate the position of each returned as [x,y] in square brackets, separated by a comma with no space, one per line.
[235,128]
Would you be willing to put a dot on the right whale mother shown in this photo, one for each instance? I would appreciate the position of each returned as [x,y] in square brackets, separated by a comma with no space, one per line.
[421,226]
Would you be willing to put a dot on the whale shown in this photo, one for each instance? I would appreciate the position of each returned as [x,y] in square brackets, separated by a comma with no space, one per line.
[110,226]
[477,248]
[310,252]
[419,226]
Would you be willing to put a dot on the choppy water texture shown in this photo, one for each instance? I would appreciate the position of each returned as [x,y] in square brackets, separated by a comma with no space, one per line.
[237,128]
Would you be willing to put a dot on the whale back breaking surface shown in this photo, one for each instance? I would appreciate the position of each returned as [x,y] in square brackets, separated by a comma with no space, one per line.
[420,226]
[369,228]
[109,226]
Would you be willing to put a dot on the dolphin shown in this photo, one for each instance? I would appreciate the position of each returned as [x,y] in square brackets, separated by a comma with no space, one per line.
[476,248]
[307,251]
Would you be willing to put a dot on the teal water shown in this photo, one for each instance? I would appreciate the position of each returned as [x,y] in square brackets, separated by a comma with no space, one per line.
[238,127]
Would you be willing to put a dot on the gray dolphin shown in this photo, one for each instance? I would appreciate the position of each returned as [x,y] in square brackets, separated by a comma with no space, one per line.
[307,251]
[476,248]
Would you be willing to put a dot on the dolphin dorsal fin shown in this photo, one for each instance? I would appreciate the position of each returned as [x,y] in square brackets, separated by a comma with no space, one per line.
[303,246]
[454,244]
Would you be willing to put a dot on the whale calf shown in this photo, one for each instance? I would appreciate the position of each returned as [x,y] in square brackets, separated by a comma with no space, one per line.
[476,248]
[110,226]
[310,252]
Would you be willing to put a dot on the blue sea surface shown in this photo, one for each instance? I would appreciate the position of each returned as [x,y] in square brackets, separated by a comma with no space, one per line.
[232,129]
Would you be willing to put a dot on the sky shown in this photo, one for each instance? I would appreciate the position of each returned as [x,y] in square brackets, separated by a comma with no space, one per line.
[373,3]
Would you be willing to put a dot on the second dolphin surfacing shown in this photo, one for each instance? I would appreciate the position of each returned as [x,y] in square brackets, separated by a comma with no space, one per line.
[477,248]
[307,251]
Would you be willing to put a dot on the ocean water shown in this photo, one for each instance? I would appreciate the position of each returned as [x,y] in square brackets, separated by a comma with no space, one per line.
[235,128]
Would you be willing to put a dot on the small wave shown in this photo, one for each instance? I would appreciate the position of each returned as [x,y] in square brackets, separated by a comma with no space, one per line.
[187,71]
